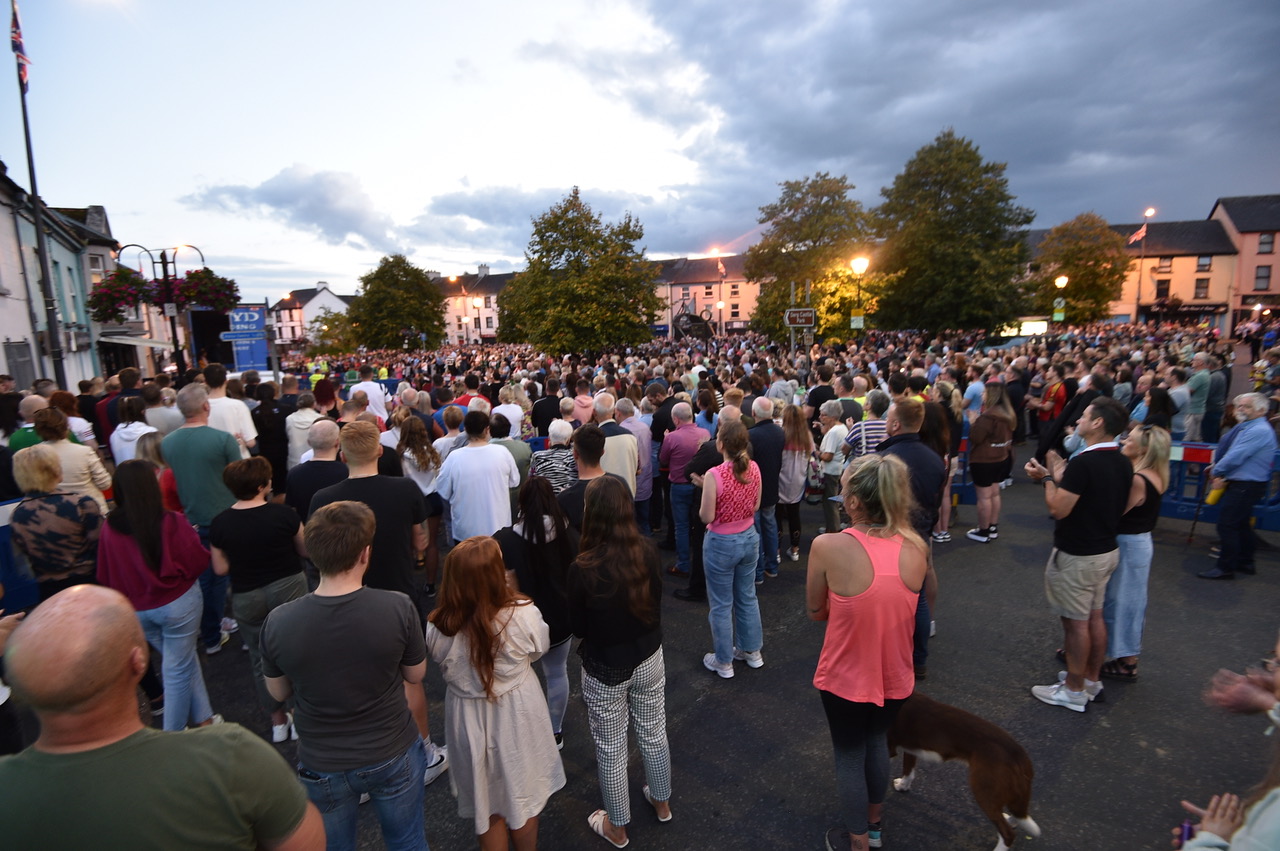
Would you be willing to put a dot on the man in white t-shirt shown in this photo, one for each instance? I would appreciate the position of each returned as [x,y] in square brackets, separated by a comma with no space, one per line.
[475,480]
[376,392]
[226,414]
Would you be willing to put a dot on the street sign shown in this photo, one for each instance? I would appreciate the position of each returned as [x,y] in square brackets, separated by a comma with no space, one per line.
[1059,316]
[857,322]
[1059,303]
[170,310]
[800,317]
[241,336]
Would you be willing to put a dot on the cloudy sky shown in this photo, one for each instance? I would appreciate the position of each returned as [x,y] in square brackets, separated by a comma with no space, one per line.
[295,142]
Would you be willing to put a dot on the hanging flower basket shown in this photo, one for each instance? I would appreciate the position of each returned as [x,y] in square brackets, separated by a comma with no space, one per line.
[206,289]
[121,291]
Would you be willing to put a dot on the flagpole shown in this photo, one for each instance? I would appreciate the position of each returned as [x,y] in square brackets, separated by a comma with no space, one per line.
[53,329]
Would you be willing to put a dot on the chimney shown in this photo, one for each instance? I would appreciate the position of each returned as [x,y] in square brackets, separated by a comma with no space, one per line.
[484,270]
[322,285]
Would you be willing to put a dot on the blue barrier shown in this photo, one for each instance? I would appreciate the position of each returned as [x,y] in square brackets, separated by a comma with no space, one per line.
[1188,486]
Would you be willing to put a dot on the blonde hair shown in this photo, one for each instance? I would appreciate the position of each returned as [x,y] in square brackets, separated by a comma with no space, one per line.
[882,486]
[951,397]
[359,442]
[37,469]
[1154,441]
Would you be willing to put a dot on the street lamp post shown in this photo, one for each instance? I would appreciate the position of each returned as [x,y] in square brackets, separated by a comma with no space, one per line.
[1142,262]
[168,258]
[720,318]
[477,303]
[1060,303]
[859,266]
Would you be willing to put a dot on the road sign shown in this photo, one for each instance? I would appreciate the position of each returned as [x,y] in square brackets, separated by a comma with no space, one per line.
[234,336]
[1059,303]
[800,317]
[1059,316]
[857,322]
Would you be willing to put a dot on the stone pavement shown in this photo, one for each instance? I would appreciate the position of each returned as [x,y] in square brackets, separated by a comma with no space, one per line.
[751,756]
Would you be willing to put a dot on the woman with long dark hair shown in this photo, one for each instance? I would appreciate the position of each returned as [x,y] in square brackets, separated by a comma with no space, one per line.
[730,499]
[865,583]
[154,557]
[421,462]
[538,550]
[797,451]
[615,589]
[485,636]
[273,441]
[990,458]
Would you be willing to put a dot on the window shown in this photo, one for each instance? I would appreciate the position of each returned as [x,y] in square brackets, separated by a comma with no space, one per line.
[1266,243]
[477,323]
[1204,263]
[684,293]
[488,322]
[1164,264]
[488,301]
[1162,288]
[733,290]
[707,292]
[95,269]
[1202,287]
[733,311]
[459,323]
[1262,278]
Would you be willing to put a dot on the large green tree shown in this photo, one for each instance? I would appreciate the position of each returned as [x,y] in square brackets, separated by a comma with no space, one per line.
[331,333]
[814,230]
[585,286]
[1093,258]
[951,227]
[397,305]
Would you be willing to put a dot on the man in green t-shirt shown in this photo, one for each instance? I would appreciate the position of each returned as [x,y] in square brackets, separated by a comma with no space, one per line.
[77,661]
[198,453]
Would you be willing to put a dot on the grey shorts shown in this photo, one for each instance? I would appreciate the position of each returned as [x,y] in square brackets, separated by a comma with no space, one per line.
[1077,585]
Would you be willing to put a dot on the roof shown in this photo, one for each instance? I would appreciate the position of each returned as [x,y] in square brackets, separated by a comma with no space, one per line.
[89,222]
[1164,239]
[683,271]
[301,298]
[474,285]
[1252,213]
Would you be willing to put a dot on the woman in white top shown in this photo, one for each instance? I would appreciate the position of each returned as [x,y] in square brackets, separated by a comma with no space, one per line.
[133,425]
[509,408]
[421,462]
[76,424]
[82,470]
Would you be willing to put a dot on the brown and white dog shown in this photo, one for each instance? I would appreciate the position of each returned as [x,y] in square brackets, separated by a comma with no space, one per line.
[1000,772]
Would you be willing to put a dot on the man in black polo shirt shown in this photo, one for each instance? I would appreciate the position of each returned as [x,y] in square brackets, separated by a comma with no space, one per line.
[1086,497]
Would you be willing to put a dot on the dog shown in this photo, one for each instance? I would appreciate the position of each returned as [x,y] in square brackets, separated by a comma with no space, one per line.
[1000,772]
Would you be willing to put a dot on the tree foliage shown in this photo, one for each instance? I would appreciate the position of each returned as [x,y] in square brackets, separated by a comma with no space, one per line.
[1093,258]
[951,228]
[397,305]
[331,333]
[815,229]
[840,294]
[585,286]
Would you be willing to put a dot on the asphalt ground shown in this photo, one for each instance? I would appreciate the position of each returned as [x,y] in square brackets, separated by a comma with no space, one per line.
[751,756]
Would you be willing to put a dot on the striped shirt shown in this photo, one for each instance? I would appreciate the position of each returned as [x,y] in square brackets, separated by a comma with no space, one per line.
[865,436]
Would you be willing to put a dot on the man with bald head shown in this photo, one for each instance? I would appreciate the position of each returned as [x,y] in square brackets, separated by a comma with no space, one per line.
[26,434]
[678,449]
[76,661]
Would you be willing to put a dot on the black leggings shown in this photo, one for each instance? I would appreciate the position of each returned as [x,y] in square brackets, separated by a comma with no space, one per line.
[859,737]
[791,514]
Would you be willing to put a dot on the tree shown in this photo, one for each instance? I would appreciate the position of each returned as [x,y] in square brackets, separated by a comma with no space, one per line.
[815,229]
[585,284]
[951,228]
[840,294]
[1093,258]
[398,305]
[331,333]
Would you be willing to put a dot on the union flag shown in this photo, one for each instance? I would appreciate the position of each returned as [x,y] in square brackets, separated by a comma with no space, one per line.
[19,52]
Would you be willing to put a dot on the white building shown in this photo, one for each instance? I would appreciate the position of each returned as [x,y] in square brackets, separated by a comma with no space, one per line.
[295,311]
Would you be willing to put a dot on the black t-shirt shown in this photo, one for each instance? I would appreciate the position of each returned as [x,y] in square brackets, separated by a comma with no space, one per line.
[573,500]
[398,505]
[1101,478]
[343,657]
[614,641]
[819,394]
[305,480]
[542,573]
[545,411]
[258,543]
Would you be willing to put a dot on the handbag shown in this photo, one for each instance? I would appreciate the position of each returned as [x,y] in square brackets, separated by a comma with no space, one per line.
[813,492]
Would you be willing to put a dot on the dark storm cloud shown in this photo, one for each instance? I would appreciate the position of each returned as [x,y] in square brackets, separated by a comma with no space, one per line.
[1093,105]
[333,205]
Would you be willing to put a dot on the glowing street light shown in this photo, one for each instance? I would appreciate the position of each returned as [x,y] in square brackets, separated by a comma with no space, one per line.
[1060,281]
[859,265]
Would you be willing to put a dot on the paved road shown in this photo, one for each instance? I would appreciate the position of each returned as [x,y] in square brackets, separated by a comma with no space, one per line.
[751,755]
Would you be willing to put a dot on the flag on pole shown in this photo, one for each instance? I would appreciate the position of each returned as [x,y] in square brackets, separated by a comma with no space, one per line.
[1138,235]
[15,40]
[720,268]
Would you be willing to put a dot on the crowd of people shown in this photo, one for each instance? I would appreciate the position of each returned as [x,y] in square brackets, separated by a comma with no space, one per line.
[485,506]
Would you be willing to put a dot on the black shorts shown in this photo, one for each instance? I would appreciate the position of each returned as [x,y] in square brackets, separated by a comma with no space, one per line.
[435,505]
[992,473]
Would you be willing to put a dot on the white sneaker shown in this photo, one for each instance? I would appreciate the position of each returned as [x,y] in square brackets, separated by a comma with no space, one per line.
[437,762]
[229,625]
[725,671]
[1059,695]
[933,628]
[753,660]
[1091,688]
[280,732]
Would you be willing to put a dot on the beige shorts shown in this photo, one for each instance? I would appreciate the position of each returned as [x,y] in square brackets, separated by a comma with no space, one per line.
[1077,585]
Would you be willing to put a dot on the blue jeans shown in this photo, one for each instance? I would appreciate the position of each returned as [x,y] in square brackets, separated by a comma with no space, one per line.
[1234,513]
[730,564]
[767,530]
[214,588]
[1125,607]
[397,792]
[681,504]
[642,516]
[171,629]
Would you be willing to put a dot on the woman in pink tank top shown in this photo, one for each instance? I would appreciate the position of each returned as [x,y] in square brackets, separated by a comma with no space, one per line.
[865,582]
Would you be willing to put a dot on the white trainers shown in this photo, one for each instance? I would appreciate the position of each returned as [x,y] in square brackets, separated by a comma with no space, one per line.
[437,762]
[933,628]
[725,671]
[1059,695]
[229,625]
[753,660]
[1091,687]
[280,732]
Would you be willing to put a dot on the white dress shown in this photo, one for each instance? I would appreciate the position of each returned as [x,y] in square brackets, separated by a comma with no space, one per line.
[502,752]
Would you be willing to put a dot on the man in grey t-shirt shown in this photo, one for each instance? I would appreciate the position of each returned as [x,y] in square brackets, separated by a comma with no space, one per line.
[344,653]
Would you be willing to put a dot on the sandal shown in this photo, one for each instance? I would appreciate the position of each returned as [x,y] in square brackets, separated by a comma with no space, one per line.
[1117,670]
[654,804]
[597,820]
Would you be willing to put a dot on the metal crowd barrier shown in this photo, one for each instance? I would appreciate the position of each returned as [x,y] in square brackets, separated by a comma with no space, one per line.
[1188,486]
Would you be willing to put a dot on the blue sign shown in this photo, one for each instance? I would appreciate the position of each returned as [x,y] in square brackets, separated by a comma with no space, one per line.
[239,336]
[250,353]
